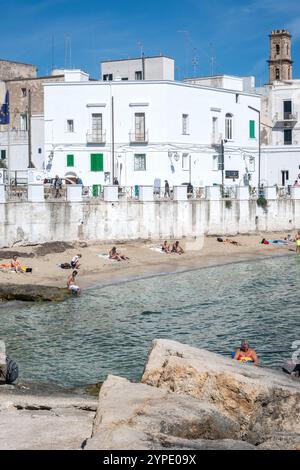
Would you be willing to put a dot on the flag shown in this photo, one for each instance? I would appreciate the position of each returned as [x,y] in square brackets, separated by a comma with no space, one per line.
[4,110]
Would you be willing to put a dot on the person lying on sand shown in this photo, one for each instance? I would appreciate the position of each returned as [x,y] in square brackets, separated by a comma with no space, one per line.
[16,265]
[227,240]
[71,284]
[246,354]
[113,254]
[176,248]
[165,247]
[268,242]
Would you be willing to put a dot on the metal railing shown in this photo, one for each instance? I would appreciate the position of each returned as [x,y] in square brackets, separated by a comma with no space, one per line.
[53,194]
[138,137]
[17,193]
[95,191]
[282,117]
[96,137]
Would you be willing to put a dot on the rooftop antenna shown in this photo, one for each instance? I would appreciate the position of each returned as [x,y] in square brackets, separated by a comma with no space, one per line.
[68,52]
[141,46]
[212,60]
[187,39]
[195,62]
[52,53]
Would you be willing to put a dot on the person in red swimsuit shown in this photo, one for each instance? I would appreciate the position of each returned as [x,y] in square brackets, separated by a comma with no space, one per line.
[246,354]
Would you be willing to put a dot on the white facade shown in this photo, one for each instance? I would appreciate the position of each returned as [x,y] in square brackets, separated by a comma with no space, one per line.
[142,68]
[280,132]
[150,130]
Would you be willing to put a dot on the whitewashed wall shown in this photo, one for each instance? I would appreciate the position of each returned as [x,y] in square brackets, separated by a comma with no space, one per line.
[163,103]
[133,220]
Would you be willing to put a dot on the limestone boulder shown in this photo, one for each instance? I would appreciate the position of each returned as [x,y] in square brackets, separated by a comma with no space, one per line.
[263,402]
[137,416]
[32,293]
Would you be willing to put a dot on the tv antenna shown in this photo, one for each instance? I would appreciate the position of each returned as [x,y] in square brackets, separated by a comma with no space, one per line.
[68,52]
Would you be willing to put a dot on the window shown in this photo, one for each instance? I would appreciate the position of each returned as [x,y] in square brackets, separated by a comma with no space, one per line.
[23,122]
[185,161]
[108,77]
[3,154]
[287,136]
[97,126]
[70,125]
[214,129]
[125,78]
[70,160]
[139,127]
[97,162]
[139,75]
[252,129]
[39,150]
[277,74]
[23,92]
[185,124]
[139,162]
[287,109]
[228,126]
[277,49]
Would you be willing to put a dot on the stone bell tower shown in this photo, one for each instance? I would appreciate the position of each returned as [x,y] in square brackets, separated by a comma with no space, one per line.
[280,61]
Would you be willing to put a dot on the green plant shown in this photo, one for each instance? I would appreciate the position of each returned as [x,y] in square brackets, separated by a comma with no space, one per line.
[262,202]
[228,204]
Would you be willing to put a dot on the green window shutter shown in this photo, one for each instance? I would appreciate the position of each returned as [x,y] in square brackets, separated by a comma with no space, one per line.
[70,160]
[252,129]
[96,161]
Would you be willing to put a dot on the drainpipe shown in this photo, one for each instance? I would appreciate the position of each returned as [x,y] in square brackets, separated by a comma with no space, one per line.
[112,141]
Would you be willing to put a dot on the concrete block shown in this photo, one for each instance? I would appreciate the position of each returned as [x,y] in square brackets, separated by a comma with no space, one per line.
[242,193]
[111,193]
[3,193]
[180,193]
[146,193]
[213,193]
[36,192]
[270,192]
[74,192]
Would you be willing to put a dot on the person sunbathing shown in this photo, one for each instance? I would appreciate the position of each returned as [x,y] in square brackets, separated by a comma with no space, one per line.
[71,284]
[176,248]
[228,240]
[16,265]
[113,254]
[165,247]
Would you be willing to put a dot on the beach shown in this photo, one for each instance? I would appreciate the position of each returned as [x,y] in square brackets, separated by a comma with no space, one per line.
[145,259]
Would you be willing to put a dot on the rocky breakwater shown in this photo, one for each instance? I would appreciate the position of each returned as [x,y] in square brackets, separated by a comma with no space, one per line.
[193,399]
[32,293]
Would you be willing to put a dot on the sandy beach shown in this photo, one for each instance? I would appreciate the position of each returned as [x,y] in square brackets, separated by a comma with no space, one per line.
[146,259]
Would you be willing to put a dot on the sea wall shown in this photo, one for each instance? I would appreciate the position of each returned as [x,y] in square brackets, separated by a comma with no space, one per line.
[39,222]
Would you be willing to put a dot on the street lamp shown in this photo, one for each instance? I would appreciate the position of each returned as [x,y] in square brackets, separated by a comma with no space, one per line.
[259,142]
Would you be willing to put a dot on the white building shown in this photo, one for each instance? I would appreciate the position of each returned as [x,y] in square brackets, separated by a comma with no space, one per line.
[147,130]
[142,68]
[280,133]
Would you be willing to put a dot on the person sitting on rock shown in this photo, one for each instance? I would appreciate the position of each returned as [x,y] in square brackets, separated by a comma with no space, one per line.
[16,265]
[246,354]
[71,284]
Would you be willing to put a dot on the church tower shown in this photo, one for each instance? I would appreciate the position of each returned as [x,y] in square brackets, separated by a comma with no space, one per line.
[280,61]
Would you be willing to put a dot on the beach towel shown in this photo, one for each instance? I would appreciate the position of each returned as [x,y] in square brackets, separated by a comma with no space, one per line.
[104,256]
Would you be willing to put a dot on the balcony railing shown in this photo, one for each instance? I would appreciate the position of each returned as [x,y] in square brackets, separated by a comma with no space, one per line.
[138,137]
[96,137]
[285,117]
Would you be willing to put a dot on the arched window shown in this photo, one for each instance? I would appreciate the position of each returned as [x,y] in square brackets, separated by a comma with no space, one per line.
[277,74]
[229,126]
[277,49]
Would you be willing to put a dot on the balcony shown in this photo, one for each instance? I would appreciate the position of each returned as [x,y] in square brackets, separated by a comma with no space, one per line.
[138,137]
[285,120]
[94,137]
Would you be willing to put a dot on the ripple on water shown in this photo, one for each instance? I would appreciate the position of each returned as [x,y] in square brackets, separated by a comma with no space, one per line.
[109,330]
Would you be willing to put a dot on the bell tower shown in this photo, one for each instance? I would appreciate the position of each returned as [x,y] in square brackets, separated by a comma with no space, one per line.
[280,61]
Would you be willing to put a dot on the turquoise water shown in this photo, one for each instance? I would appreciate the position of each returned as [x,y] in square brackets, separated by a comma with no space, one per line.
[109,330]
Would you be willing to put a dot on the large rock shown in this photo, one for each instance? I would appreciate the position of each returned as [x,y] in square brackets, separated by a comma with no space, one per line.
[32,293]
[59,421]
[263,402]
[136,416]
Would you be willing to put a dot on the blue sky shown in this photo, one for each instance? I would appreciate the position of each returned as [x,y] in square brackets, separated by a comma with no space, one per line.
[234,32]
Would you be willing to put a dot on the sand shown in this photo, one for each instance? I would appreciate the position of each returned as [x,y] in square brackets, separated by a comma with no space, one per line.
[144,260]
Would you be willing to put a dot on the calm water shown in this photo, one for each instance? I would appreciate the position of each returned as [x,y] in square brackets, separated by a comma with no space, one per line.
[109,330]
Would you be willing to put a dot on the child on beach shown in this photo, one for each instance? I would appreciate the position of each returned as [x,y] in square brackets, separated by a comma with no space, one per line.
[71,284]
